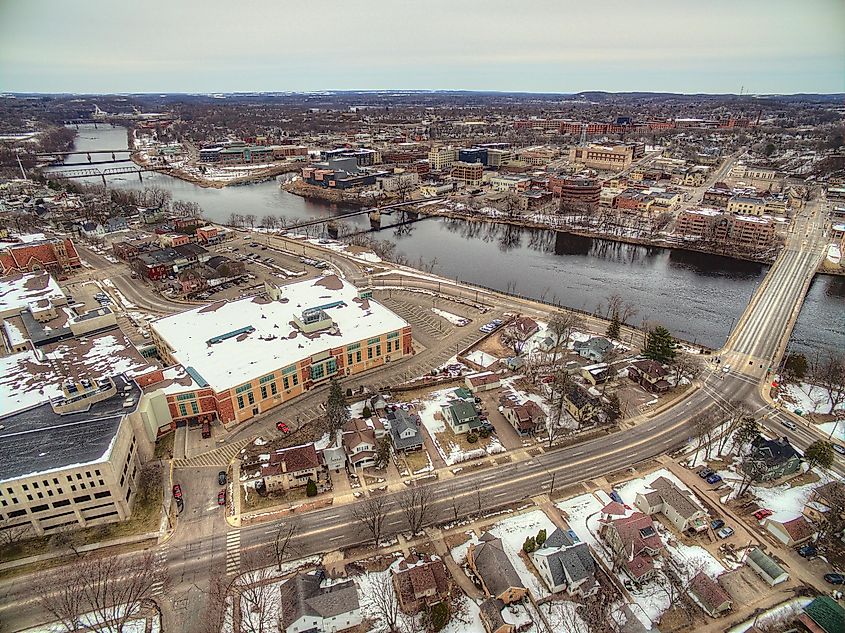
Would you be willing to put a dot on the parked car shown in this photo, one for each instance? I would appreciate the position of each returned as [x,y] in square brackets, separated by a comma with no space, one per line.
[487,427]
[282,427]
[704,473]
[725,532]
[839,449]
[717,524]
[807,551]
[221,478]
[221,497]
[713,479]
[177,491]
[835,578]
[762,513]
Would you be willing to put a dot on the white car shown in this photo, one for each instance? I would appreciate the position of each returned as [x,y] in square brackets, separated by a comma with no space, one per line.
[726,369]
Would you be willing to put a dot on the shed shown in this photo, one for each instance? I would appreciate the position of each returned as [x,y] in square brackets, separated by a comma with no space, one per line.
[766,567]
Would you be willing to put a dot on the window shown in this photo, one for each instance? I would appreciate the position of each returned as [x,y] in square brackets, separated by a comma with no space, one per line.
[267,378]
[194,407]
[250,397]
[82,498]
[243,388]
[185,396]
[39,508]
[263,392]
[374,341]
[392,335]
[378,349]
[317,371]
[102,495]
[353,346]
[273,389]
[183,411]
[389,346]
[240,402]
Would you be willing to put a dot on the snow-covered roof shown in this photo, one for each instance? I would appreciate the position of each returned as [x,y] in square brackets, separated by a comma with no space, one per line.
[18,292]
[230,343]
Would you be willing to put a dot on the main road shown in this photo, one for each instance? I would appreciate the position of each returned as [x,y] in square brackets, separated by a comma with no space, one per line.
[203,547]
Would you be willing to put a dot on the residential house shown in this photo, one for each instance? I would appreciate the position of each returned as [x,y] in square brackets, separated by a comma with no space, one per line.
[524,327]
[489,563]
[766,567]
[830,496]
[709,595]
[461,416]
[485,381]
[593,349]
[360,439]
[678,506]
[334,455]
[635,543]
[92,229]
[650,375]
[420,581]
[378,405]
[305,606]
[293,467]
[115,223]
[525,418]
[823,615]
[565,563]
[404,430]
[490,611]
[580,403]
[596,374]
[790,533]
[772,459]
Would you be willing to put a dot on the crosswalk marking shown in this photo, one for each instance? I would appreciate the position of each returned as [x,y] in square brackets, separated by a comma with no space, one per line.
[219,457]
[233,552]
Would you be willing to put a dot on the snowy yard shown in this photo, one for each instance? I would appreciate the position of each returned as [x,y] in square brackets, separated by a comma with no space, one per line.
[806,398]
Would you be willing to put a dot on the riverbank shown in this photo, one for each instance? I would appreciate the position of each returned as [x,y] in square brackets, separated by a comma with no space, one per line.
[254,176]
[310,192]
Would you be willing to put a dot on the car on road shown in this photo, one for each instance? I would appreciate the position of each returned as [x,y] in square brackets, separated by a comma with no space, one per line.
[713,479]
[725,532]
[704,473]
[807,551]
[717,524]
[282,427]
[221,497]
[726,369]
[762,513]
[221,478]
[835,578]
[788,424]
[177,491]
[839,449]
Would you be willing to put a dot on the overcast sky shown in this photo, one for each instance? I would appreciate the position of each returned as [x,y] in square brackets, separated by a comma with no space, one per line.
[765,46]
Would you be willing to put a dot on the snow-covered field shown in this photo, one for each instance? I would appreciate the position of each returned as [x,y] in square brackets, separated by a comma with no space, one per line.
[807,398]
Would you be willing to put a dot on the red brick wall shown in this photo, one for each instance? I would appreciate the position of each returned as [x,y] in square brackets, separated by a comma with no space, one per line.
[150,378]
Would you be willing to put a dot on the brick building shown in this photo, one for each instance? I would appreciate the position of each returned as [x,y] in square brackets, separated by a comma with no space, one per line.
[54,255]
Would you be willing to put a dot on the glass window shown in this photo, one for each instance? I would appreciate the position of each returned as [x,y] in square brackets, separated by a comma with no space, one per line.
[263,392]
[393,335]
[240,402]
[194,407]
[250,397]
[182,410]
[373,341]
[243,388]
[267,378]
[273,389]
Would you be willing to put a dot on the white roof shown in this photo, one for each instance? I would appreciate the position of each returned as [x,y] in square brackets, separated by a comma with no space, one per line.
[274,342]
[18,292]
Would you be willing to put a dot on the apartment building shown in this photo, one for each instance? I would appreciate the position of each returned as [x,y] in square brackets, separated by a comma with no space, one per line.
[746,205]
[739,231]
[442,158]
[603,157]
[507,182]
[471,174]
[257,352]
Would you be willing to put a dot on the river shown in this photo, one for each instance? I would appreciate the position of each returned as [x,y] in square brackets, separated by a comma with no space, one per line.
[697,296]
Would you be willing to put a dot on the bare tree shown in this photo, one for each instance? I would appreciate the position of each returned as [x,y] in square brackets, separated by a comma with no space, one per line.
[561,326]
[384,601]
[281,540]
[752,470]
[686,366]
[830,376]
[109,590]
[702,429]
[737,412]
[416,505]
[12,532]
[516,337]
[371,514]
[269,221]
[255,608]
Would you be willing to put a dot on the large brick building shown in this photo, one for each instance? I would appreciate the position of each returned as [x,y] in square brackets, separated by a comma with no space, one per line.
[741,231]
[54,255]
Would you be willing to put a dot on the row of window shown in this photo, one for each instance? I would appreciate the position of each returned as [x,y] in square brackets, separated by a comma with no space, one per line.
[268,387]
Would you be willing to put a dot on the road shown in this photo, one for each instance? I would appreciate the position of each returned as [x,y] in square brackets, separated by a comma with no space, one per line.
[203,547]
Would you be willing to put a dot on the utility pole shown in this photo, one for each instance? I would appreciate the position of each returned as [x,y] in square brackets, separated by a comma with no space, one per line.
[18,156]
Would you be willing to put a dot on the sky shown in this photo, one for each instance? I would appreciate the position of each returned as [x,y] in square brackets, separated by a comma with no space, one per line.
[713,46]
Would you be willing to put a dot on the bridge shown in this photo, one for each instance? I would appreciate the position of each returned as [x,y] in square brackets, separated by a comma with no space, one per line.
[69,174]
[84,152]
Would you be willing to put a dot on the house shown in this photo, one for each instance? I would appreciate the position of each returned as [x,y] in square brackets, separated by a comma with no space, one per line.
[635,543]
[823,615]
[580,403]
[593,349]
[650,375]
[766,567]
[405,430]
[771,459]
[524,328]
[489,563]
[565,563]
[292,467]
[378,405]
[92,229]
[677,505]
[824,499]
[596,374]
[790,533]
[484,381]
[709,595]
[461,416]
[360,439]
[305,606]
[115,223]
[490,611]
[525,418]
[420,581]
[333,455]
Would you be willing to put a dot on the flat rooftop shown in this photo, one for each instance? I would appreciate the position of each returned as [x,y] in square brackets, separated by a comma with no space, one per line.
[38,440]
[20,291]
[229,343]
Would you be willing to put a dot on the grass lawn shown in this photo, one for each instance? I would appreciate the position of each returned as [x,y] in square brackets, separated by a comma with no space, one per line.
[256,501]
[416,460]
[164,446]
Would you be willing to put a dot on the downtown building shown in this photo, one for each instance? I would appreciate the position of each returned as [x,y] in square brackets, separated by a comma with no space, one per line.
[29,253]
[234,360]
[743,232]
[603,157]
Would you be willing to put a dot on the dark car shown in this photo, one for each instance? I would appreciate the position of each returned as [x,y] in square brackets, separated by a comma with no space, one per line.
[835,578]
[807,551]
[282,427]
[177,491]
[221,478]
[704,473]
[221,497]
[717,524]
[713,479]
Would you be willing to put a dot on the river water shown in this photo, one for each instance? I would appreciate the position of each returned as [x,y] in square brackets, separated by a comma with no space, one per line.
[697,296]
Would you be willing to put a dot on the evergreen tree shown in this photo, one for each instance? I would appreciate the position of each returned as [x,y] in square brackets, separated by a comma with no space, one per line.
[819,453]
[659,345]
[612,408]
[311,488]
[614,327]
[382,453]
[529,545]
[540,538]
[337,410]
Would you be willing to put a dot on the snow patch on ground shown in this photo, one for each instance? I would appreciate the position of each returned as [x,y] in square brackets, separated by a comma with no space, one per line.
[481,358]
[454,319]
[807,398]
